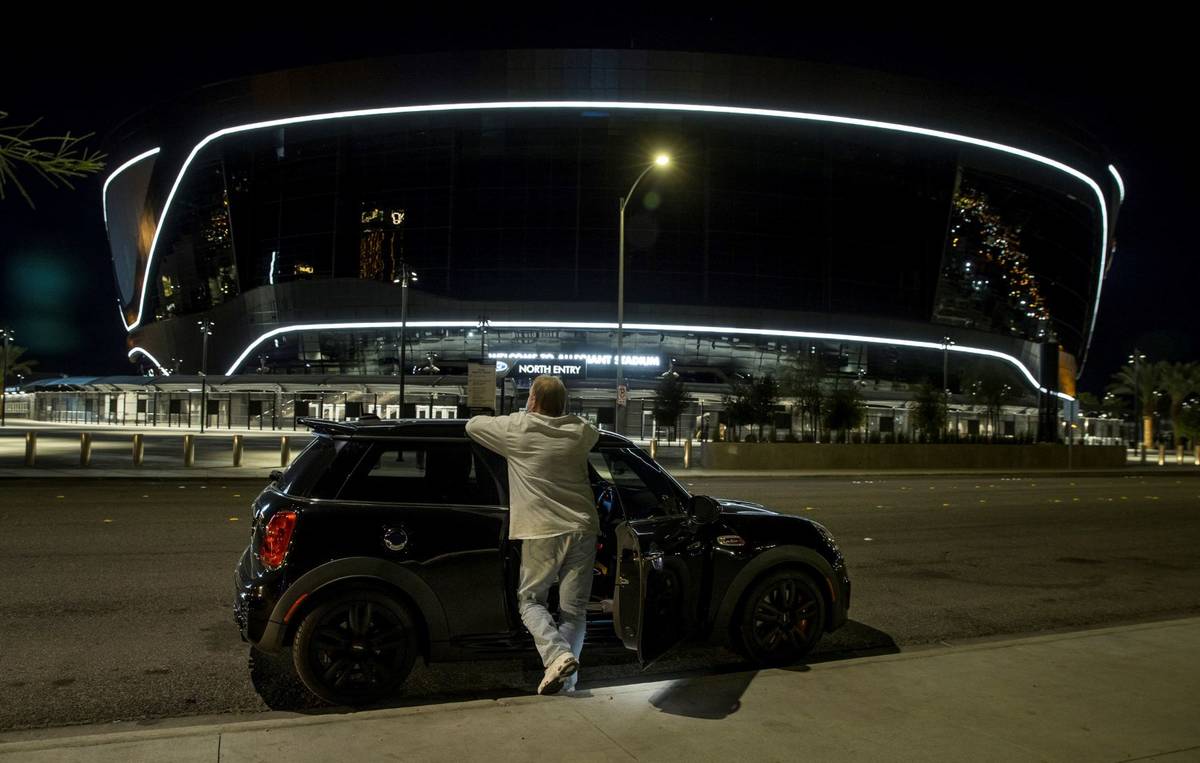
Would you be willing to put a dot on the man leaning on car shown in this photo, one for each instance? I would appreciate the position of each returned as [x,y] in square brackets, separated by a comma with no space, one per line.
[551,510]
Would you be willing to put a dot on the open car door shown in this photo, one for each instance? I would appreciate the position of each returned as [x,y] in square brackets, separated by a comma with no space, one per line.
[660,563]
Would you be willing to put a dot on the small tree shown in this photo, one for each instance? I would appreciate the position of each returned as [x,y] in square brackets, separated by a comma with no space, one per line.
[764,399]
[57,159]
[802,382]
[670,400]
[991,391]
[845,410]
[929,410]
[738,403]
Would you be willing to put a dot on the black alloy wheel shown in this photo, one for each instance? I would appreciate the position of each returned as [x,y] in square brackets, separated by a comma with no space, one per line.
[782,618]
[357,648]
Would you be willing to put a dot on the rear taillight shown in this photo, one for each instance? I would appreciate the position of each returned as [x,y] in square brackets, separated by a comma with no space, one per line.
[276,538]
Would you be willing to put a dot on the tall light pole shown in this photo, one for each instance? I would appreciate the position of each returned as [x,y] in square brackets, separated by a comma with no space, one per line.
[661,160]
[7,335]
[1139,426]
[406,276]
[483,327]
[946,342]
[205,332]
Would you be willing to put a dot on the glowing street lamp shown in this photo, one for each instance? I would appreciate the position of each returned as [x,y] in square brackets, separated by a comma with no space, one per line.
[662,160]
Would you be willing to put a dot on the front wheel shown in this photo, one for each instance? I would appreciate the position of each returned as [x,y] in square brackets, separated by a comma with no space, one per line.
[357,648]
[782,618]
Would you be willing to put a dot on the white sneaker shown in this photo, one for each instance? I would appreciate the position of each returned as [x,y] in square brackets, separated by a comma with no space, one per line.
[556,674]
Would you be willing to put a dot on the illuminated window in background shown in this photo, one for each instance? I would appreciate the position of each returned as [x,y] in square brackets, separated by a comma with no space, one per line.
[986,281]
[167,303]
[381,246]
[199,270]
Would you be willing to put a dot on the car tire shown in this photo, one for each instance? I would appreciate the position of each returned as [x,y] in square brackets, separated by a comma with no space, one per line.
[781,618]
[356,648]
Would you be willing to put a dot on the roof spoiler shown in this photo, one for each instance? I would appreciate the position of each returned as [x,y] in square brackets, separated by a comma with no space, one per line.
[325,426]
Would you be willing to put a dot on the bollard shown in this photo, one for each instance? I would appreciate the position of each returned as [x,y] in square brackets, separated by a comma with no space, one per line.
[654,448]
[285,451]
[85,448]
[1162,454]
[1197,461]
[687,453]
[1179,454]
[30,448]
[189,450]
[139,449]
[237,450]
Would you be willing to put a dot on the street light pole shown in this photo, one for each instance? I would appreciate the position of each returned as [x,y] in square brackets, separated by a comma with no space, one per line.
[4,379]
[946,342]
[1138,424]
[406,276]
[659,161]
[205,332]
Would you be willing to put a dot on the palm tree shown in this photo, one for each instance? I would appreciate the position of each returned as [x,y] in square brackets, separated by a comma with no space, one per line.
[13,364]
[1141,385]
[58,159]
[1180,381]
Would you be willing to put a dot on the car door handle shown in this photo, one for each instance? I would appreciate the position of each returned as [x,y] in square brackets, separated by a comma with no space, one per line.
[395,538]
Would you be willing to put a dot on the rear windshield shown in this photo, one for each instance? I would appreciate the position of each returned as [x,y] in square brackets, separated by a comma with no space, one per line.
[310,466]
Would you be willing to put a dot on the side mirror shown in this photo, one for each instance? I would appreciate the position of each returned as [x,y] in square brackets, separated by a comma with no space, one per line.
[704,510]
[276,475]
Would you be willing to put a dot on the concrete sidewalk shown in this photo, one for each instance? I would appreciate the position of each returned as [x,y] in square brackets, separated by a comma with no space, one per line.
[1115,694]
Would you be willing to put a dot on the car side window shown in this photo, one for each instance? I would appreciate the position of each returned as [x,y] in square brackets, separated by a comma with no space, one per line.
[641,485]
[421,472]
[601,471]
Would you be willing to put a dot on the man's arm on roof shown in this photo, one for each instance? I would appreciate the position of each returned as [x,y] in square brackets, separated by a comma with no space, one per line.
[490,431]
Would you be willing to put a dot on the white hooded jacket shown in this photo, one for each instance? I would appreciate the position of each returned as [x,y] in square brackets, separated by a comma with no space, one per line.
[548,486]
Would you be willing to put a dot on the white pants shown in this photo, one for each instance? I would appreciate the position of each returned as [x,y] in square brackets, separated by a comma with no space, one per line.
[569,559]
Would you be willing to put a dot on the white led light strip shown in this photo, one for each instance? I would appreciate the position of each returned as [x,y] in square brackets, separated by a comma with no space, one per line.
[632,105]
[649,327]
[112,177]
[153,359]
[1120,183]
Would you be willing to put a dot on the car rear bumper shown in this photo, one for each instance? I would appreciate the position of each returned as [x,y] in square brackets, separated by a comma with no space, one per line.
[251,607]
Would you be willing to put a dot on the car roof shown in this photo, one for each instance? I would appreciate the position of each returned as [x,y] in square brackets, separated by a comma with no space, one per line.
[414,428]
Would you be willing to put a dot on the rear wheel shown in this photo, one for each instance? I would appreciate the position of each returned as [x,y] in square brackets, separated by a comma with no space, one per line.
[782,618]
[357,648]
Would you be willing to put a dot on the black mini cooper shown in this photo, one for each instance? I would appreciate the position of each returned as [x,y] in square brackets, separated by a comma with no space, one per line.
[385,540]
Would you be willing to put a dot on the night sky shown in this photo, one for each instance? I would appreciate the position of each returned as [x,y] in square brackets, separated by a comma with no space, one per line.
[1127,84]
